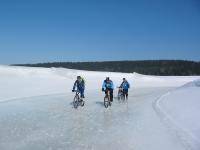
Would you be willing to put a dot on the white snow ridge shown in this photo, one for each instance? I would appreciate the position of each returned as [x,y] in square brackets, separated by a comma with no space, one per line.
[36,112]
[181,108]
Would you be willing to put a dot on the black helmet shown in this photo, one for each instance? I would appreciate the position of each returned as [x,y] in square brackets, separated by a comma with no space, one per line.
[78,77]
[107,78]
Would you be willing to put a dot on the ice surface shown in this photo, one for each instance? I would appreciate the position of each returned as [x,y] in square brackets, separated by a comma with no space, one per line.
[50,122]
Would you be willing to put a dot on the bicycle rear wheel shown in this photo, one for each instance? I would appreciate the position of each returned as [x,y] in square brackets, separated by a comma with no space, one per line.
[110,103]
[82,103]
[119,97]
[123,97]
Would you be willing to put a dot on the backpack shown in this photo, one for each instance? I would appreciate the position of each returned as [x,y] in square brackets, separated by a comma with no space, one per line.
[83,80]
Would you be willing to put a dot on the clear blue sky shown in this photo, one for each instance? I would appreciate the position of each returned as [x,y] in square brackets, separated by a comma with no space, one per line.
[88,30]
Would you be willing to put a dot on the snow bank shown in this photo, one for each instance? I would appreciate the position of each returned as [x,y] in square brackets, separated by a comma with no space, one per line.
[16,82]
[161,81]
[181,107]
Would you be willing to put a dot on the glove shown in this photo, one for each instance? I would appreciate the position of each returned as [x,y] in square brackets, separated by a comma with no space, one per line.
[72,90]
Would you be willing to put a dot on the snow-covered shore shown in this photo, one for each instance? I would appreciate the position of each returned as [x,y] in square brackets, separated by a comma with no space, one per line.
[16,82]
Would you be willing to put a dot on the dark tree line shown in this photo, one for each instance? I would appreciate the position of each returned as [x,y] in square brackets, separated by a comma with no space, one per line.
[148,67]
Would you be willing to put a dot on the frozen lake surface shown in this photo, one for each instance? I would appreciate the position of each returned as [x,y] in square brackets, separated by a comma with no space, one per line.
[50,122]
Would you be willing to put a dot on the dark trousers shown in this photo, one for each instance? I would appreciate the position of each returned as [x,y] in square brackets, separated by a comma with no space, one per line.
[111,93]
[81,90]
[125,93]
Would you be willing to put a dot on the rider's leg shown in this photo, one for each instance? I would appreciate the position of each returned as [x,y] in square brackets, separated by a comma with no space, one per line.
[81,90]
[111,95]
[106,91]
[125,93]
[82,93]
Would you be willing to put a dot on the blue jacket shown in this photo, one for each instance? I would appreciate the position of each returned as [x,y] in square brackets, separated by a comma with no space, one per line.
[79,85]
[125,85]
[108,84]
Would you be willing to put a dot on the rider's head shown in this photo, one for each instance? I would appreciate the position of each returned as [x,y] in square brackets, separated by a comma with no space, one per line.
[78,78]
[124,79]
[107,78]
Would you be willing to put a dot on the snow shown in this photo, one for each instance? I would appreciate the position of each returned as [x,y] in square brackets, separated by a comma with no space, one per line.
[181,107]
[36,111]
[19,82]
[164,81]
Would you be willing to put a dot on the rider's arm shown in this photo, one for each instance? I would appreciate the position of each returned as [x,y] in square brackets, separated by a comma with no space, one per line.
[121,85]
[112,85]
[129,85]
[84,84]
[104,85]
[75,83]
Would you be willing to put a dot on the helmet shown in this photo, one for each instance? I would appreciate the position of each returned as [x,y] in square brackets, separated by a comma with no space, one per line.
[78,77]
[107,78]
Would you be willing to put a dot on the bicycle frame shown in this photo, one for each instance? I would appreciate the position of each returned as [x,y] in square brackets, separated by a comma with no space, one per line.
[120,90]
[107,94]
[78,100]
[120,94]
[107,101]
[77,92]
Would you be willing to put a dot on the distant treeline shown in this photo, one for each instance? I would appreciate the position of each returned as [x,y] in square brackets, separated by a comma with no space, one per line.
[148,67]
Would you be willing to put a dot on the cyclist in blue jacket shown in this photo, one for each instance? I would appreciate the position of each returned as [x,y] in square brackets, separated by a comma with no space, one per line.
[80,86]
[125,86]
[108,86]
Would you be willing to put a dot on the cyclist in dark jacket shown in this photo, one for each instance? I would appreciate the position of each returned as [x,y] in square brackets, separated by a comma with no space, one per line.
[80,86]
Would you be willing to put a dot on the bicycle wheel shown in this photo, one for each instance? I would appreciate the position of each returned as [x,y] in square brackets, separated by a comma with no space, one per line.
[75,102]
[110,103]
[119,96]
[123,97]
[106,102]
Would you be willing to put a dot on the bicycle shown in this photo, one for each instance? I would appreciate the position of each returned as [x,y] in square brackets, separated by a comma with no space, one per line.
[120,95]
[107,101]
[78,101]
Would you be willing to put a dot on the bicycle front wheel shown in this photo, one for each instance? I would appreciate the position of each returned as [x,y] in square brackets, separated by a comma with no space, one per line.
[75,102]
[106,102]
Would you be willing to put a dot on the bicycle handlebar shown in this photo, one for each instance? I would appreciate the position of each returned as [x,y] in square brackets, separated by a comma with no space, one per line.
[76,91]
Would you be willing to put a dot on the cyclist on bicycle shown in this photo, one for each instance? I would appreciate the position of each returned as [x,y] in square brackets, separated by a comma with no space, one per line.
[125,86]
[108,86]
[80,85]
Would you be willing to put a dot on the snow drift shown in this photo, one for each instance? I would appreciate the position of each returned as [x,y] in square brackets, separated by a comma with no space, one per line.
[181,107]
